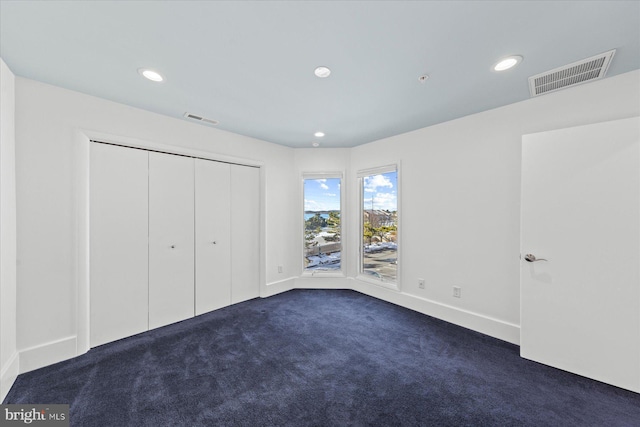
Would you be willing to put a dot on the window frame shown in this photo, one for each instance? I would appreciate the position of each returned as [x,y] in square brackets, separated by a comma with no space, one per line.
[343,252]
[361,276]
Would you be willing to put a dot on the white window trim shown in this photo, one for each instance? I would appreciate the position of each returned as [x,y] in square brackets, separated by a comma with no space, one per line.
[360,276]
[343,251]
[395,167]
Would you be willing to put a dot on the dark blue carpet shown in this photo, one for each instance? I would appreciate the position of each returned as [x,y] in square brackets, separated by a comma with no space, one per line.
[319,358]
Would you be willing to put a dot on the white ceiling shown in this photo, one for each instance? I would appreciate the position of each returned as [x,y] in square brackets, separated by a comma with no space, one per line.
[250,65]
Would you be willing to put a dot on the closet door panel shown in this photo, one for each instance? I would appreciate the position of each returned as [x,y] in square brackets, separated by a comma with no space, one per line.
[245,232]
[213,237]
[118,229]
[171,239]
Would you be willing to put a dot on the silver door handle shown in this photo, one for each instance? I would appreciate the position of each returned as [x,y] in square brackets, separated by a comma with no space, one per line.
[213,242]
[532,258]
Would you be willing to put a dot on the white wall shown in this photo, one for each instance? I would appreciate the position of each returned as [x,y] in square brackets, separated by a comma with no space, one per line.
[48,119]
[460,189]
[8,353]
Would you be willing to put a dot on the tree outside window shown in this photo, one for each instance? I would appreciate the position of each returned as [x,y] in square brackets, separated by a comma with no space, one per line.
[380,225]
[322,225]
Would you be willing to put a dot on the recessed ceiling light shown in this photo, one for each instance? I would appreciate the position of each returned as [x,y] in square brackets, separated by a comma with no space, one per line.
[315,143]
[508,62]
[318,134]
[154,76]
[322,72]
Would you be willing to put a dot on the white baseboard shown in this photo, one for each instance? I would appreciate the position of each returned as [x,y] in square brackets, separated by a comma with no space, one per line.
[8,375]
[278,287]
[477,322]
[47,354]
[66,348]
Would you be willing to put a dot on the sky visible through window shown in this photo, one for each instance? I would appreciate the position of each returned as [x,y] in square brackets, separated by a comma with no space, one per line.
[380,192]
[322,194]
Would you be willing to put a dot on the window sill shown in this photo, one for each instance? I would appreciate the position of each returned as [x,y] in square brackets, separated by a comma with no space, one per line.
[323,274]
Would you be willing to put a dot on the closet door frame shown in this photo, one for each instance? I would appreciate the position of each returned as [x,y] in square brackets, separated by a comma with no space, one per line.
[82,139]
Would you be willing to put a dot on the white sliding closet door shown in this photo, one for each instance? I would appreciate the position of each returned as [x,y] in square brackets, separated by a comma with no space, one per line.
[118,227]
[171,239]
[213,237]
[245,229]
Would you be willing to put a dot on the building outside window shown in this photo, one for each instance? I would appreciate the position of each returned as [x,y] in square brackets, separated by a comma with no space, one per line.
[379,224]
[322,224]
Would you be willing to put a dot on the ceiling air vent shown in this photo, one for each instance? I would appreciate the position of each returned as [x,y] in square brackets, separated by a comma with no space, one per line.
[584,71]
[200,119]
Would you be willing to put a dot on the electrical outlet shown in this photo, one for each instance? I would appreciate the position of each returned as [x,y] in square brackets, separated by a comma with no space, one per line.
[421,283]
[457,291]
[279,269]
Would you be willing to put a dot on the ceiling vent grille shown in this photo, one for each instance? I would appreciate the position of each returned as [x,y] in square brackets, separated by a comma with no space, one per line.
[200,119]
[584,71]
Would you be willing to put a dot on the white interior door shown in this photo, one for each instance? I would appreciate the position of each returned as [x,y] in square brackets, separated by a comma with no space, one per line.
[119,258]
[245,229]
[171,239]
[213,237]
[580,307]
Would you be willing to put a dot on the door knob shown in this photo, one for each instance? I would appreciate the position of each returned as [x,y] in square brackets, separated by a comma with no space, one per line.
[532,258]
[213,242]
[173,246]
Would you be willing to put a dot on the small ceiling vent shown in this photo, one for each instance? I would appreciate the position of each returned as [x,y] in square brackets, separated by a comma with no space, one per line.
[200,119]
[584,71]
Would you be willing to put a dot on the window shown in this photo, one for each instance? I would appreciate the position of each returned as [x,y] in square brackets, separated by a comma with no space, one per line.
[379,224]
[322,224]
